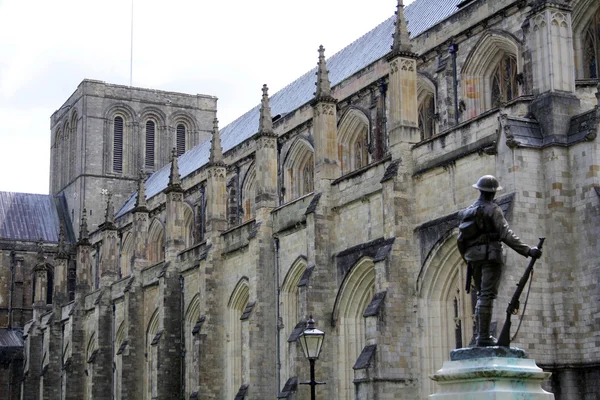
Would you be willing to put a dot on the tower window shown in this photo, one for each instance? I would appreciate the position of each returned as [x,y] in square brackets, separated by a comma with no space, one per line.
[118,145]
[150,129]
[180,139]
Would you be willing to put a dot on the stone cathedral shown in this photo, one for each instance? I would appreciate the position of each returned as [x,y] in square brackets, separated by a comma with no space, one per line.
[175,259]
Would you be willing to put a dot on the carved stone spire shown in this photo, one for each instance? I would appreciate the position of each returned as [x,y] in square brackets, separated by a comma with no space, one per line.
[216,151]
[323,92]
[109,215]
[140,201]
[401,43]
[265,123]
[84,237]
[62,247]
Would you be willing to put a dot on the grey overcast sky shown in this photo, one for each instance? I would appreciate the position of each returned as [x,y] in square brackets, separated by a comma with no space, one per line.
[223,48]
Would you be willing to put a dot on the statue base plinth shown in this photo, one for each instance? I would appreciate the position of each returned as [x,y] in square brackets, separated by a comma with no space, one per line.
[490,373]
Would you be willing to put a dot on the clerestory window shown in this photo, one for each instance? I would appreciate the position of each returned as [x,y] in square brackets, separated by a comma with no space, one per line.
[504,81]
[591,49]
[180,139]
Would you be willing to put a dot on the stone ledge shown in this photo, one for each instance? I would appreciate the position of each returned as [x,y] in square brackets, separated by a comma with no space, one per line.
[468,353]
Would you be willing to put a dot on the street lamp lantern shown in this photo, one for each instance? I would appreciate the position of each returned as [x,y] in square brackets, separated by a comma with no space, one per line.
[312,342]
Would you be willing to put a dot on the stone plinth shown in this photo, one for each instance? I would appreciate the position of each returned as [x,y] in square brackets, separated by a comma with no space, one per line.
[490,373]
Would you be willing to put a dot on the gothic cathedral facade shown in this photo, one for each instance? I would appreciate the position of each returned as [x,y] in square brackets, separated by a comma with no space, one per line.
[184,259]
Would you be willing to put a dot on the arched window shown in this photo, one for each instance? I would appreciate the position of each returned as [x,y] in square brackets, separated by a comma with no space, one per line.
[126,257]
[151,372]
[57,173]
[249,194]
[290,313]
[67,155]
[426,117]
[353,139]
[180,139]
[299,170]
[354,296]
[504,81]
[192,348]
[235,337]
[427,111]
[446,311]
[150,136]
[118,357]
[232,202]
[591,48]
[73,145]
[92,347]
[188,226]
[156,242]
[118,144]
[489,75]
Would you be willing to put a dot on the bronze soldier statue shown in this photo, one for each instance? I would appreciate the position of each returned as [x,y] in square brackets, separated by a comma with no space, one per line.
[481,233]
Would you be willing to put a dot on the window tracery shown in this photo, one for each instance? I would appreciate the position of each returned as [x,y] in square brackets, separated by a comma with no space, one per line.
[504,81]
[426,117]
[591,48]
[353,141]
[299,170]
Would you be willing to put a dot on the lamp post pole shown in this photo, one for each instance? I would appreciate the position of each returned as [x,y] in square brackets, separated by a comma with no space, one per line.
[313,383]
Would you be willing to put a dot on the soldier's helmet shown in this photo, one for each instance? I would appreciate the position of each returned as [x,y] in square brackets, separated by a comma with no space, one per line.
[488,183]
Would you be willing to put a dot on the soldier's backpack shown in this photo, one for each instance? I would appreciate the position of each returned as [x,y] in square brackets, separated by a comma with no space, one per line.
[470,226]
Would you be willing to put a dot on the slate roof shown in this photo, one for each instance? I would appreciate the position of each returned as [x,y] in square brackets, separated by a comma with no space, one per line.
[31,217]
[421,15]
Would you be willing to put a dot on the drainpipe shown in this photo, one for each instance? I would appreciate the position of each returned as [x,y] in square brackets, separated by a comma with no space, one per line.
[112,349]
[453,50]
[279,173]
[277,335]
[202,213]
[182,339]
[11,289]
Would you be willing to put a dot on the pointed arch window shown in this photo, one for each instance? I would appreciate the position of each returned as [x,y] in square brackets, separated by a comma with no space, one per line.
[235,337]
[192,347]
[299,171]
[118,144]
[489,75]
[248,195]
[447,311]
[427,116]
[150,136]
[180,139]
[73,145]
[504,81]
[353,141]
[591,48]
[355,294]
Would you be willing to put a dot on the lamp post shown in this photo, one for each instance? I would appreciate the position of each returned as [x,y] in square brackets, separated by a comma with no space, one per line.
[312,341]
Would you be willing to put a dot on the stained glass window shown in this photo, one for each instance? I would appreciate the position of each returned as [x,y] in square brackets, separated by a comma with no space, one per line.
[591,48]
[504,81]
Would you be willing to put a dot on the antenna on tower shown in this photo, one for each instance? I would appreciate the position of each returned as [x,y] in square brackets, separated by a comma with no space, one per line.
[131,48]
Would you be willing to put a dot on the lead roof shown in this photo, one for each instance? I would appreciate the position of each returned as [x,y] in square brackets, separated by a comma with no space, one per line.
[31,217]
[421,15]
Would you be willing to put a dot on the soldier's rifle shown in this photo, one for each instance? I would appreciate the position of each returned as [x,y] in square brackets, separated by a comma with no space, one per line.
[513,306]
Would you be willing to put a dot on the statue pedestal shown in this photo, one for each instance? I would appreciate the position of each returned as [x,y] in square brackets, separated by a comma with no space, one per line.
[490,373]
